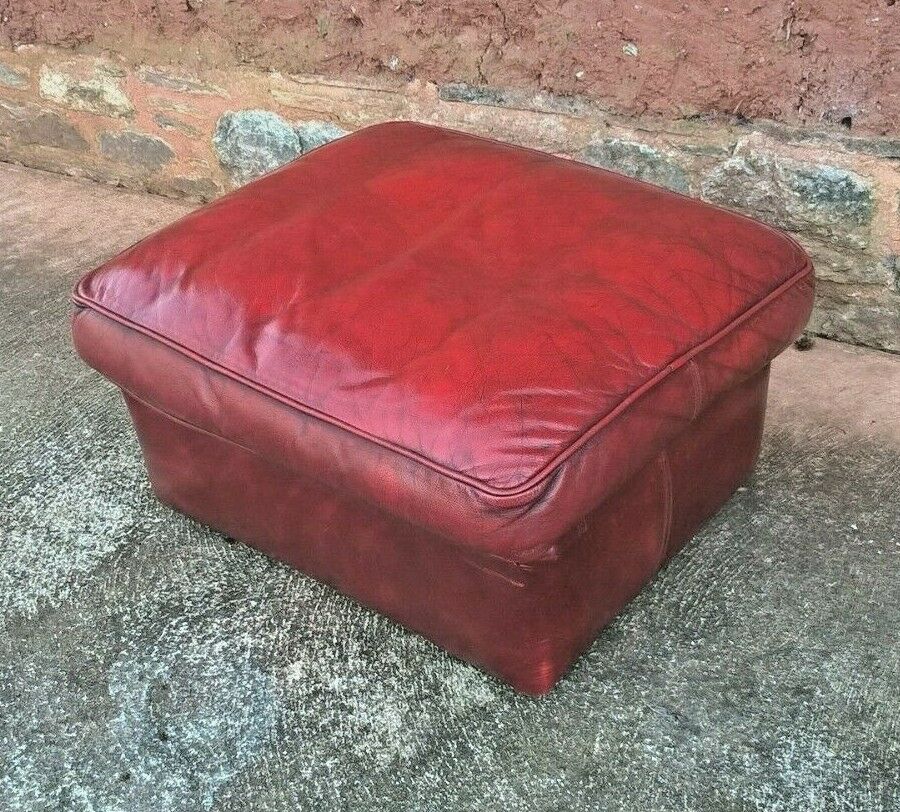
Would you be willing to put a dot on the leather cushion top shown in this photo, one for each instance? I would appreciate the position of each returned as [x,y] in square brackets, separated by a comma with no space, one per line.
[477,307]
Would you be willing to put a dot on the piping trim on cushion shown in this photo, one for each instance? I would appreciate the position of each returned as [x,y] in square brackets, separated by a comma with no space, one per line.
[536,478]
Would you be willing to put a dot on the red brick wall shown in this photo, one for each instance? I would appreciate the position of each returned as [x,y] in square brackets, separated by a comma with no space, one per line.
[794,62]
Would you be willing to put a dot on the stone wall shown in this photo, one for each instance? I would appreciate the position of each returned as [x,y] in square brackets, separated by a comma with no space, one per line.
[198,132]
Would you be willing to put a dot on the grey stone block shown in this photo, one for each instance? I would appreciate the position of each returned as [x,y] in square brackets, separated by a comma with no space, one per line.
[178,82]
[32,125]
[639,161]
[838,264]
[514,99]
[860,314]
[250,143]
[12,77]
[887,147]
[92,88]
[474,94]
[316,133]
[136,149]
[198,188]
[818,199]
[879,147]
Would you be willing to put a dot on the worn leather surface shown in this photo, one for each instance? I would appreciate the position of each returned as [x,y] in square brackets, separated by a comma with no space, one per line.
[484,340]
[524,622]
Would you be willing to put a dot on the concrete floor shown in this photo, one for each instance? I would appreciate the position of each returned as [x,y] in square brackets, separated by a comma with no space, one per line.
[148,663]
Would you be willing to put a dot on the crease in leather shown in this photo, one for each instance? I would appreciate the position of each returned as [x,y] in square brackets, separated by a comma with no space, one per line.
[262,235]
[514,495]
[225,197]
[495,573]
[798,249]
[697,381]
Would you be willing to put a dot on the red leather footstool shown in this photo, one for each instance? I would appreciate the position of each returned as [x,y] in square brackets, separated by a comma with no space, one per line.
[483,390]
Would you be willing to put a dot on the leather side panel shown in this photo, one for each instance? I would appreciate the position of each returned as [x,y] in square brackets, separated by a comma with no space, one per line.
[524,622]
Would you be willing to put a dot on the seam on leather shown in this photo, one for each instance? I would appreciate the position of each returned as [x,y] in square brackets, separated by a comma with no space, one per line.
[668,506]
[290,471]
[517,492]
[495,573]
[697,383]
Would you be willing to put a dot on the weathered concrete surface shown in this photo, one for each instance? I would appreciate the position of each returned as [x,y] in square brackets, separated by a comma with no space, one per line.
[148,663]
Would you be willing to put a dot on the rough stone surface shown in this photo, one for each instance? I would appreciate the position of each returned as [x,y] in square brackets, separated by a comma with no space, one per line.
[149,663]
[314,134]
[250,143]
[878,147]
[838,264]
[825,201]
[136,149]
[831,211]
[516,99]
[860,314]
[196,188]
[178,82]
[93,86]
[354,103]
[170,122]
[31,125]
[11,77]
[639,161]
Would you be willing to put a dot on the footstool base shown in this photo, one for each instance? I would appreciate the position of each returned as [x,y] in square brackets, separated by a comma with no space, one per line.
[525,623]
[482,389]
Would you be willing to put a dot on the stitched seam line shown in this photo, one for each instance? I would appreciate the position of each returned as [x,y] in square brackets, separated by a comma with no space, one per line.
[513,492]
[206,432]
[697,382]
[668,506]
[290,471]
